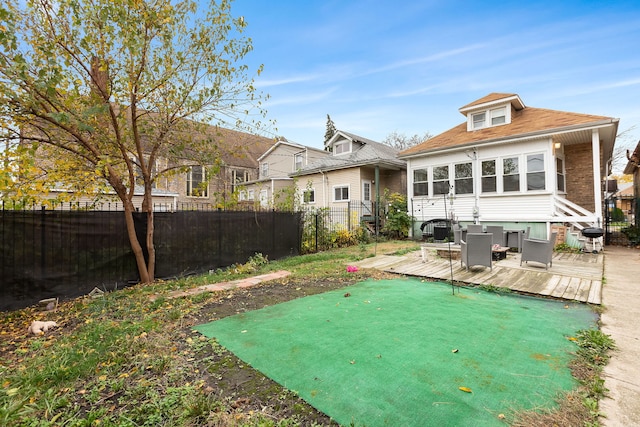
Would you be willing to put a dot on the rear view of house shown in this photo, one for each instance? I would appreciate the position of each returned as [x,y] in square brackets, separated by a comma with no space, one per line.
[513,165]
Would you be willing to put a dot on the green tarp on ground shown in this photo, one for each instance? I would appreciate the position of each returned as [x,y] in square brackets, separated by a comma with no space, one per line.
[396,352]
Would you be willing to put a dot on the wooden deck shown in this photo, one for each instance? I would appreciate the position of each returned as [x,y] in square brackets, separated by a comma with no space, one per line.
[576,277]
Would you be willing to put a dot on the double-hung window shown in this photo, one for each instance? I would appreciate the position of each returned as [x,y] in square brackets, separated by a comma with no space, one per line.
[510,174]
[298,161]
[264,170]
[479,120]
[489,176]
[441,180]
[560,174]
[498,116]
[197,185]
[420,182]
[341,193]
[535,172]
[463,178]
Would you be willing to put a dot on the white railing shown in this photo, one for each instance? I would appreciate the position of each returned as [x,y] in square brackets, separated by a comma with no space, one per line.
[579,217]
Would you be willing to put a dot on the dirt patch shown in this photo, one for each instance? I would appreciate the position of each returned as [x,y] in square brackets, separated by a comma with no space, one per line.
[243,387]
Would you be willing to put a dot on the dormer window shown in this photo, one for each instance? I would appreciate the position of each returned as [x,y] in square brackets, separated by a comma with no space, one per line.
[298,161]
[479,120]
[342,147]
[488,118]
[498,116]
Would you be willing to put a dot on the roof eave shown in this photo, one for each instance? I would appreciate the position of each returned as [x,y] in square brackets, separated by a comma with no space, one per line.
[528,135]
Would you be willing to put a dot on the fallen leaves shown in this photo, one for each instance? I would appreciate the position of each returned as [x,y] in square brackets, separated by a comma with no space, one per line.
[465,389]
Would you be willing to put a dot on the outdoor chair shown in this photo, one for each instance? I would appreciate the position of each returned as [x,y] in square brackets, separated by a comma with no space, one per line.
[476,250]
[475,228]
[457,234]
[539,250]
[499,236]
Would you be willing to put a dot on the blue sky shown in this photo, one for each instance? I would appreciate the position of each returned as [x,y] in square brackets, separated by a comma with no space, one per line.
[407,66]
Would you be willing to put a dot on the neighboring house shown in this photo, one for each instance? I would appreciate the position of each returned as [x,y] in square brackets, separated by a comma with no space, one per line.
[236,164]
[357,171]
[623,200]
[633,168]
[513,165]
[273,185]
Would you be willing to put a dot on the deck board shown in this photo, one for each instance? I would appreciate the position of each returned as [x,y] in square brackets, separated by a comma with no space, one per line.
[571,277]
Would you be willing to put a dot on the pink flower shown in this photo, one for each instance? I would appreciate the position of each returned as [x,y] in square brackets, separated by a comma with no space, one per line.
[352,269]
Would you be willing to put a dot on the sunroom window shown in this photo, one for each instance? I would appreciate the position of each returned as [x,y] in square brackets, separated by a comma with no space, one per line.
[489,176]
[420,182]
[510,174]
[464,178]
[535,172]
[441,180]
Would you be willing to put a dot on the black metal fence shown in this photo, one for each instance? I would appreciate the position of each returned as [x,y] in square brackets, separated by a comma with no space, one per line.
[621,221]
[66,253]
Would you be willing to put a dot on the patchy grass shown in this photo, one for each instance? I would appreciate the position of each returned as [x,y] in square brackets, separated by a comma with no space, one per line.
[122,360]
[580,407]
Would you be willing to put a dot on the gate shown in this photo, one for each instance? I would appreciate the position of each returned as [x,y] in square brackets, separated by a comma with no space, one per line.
[621,216]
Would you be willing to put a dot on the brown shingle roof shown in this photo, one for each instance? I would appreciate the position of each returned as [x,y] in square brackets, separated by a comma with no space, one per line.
[489,98]
[526,121]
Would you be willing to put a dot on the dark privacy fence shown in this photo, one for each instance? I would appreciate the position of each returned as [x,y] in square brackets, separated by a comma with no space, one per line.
[65,254]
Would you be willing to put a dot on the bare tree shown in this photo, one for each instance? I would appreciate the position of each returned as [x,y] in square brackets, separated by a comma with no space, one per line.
[401,141]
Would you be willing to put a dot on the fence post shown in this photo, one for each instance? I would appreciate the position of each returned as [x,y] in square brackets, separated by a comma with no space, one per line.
[43,263]
[316,215]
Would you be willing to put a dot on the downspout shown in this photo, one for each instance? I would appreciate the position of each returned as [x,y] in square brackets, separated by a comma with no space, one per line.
[377,178]
[273,196]
[597,179]
[324,189]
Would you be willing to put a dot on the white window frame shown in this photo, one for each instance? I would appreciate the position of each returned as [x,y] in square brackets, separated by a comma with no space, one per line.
[264,170]
[238,178]
[342,147]
[498,116]
[312,196]
[342,187]
[490,117]
[542,171]
[251,195]
[437,181]
[517,173]
[422,183]
[493,176]
[191,188]
[457,178]
[561,175]
[479,120]
[264,198]
[298,161]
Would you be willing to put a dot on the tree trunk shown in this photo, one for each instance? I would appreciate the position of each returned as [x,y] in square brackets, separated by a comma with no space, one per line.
[145,277]
[151,249]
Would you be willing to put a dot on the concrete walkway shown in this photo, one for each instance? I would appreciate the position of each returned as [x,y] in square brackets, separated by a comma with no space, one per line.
[621,320]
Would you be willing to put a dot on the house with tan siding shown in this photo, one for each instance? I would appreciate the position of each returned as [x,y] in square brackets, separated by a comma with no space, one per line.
[355,175]
[514,165]
[273,184]
[196,186]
